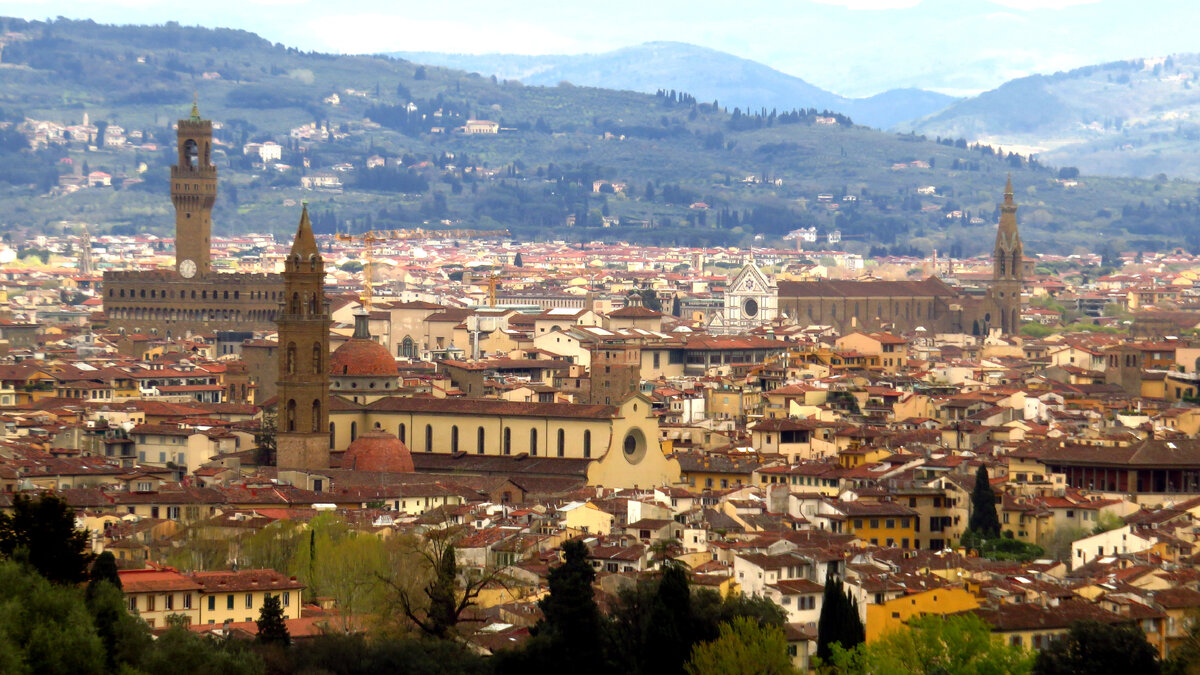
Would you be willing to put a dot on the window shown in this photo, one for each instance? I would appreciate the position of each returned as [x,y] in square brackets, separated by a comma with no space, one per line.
[479,441]
[587,443]
[890,523]
[507,441]
[428,438]
[562,443]
[133,603]
[249,601]
[287,598]
[149,603]
[212,603]
[229,601]
[454,438]
[533,441]
[874,523]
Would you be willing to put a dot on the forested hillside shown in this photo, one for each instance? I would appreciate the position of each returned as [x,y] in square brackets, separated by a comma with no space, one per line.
[379,140]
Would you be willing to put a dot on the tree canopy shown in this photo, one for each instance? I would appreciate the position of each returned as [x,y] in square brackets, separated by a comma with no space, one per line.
[43,532]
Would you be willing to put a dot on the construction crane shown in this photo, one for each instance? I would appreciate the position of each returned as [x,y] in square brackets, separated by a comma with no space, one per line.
[369,239]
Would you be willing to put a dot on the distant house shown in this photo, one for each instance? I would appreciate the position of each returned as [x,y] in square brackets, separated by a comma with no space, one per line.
[99,179]
[321,180]
[481,127]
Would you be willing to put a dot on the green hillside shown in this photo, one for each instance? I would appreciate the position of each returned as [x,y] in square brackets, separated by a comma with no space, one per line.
[760,174]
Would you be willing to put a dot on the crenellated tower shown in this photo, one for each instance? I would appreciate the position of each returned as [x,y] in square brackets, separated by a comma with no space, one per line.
[193,191]
[302,439]
[1008,270]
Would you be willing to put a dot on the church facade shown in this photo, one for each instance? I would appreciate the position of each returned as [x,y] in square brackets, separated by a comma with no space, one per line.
[751,300]
[191,298]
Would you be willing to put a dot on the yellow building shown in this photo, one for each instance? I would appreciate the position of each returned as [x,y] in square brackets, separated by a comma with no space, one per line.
[622,441]
[888,616]
[156,593]
[238,596]
[880,523]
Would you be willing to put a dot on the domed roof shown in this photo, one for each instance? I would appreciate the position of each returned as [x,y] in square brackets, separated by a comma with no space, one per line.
[378,451]
[358,357]
[362,356]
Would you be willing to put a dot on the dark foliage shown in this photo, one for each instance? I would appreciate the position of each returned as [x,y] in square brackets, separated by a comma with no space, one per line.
[1099,649]
[42,531]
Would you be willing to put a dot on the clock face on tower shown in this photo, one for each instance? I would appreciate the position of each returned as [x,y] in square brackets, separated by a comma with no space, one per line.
[187,268]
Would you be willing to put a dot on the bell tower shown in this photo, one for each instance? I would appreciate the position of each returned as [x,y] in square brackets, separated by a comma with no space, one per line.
[302,437]
[193,192]
[1008,271]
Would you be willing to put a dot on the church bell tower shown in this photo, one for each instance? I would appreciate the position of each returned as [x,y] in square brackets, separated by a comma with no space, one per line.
[302,436]
[193,192]
[1008,270]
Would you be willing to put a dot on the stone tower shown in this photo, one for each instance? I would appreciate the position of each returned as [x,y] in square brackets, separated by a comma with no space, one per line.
[1007,267]
[302,439]
[193,191]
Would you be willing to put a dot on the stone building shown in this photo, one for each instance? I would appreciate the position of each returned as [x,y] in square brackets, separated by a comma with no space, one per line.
[302,439]
[191,298]
[903,306]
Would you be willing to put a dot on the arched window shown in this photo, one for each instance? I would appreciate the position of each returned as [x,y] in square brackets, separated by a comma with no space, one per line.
[191,154]
[408,348]
[562,442]
[587,443]
[289,418]
[312,304]
[291,358]
[316,416]
[533,441]
[1001,259]
[454,438]
[507,441]
[428,438]
[1016,264]
[316,358]
[295,303]
[332,436]
[479,441]
[353,431]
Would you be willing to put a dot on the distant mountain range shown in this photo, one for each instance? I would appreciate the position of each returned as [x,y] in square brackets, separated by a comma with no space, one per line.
[1126,118]
[705,73]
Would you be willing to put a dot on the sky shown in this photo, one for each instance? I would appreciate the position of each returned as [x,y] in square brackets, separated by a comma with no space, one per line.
[852,47]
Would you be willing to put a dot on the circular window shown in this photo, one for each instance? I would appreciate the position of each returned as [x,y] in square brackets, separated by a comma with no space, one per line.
[634,446]
[750,308]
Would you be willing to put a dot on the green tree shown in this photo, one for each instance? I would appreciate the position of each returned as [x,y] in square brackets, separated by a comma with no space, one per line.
[743,648]
[264,441]
[126,638]
[670,633]
[45,628]
[983,522]
[180,649]
[103,569]
[44,533]
[1185,657]
[572,634]
[839,622]
[1099,649]
[272,628]
[518,261]
[936,645]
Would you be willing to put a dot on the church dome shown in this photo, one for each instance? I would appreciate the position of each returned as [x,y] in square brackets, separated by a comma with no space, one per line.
[378,451]
[360,356]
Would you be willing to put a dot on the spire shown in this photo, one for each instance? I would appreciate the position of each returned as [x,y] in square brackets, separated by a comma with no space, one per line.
[305,244]
[195,106]
[1008,192]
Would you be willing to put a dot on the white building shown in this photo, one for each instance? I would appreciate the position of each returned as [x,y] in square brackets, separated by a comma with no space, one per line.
[751,300]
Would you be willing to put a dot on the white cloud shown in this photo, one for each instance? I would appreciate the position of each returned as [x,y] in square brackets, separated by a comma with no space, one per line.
[374,33]
[1026,5]
[871,4]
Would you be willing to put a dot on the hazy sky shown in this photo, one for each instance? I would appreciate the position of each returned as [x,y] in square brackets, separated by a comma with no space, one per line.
[853,47]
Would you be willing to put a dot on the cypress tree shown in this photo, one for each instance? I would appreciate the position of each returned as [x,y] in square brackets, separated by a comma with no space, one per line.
[839,621]
[271,626]
[983,522]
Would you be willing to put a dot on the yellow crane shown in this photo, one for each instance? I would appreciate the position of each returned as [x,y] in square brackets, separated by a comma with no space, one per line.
[369,239]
